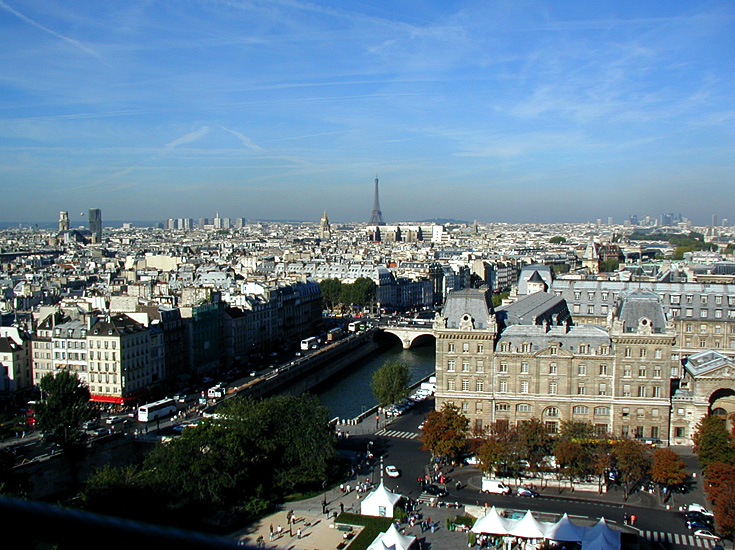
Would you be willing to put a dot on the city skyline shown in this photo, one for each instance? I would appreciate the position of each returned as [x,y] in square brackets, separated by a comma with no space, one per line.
[512,112]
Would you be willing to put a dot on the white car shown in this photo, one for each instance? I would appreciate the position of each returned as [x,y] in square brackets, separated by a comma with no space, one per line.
[392,471]
[705,534]
[472,461]
[421,426]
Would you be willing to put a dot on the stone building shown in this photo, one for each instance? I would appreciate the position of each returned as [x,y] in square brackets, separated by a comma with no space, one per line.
[528,360]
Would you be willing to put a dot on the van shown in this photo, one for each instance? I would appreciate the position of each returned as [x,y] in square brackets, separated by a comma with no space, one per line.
[495,487]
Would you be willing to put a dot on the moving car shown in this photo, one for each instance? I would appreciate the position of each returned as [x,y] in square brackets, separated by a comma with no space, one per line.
[435,490]
[692,524]
[523,492]
[392,471]
[495,487]
[706,534]
[472,460]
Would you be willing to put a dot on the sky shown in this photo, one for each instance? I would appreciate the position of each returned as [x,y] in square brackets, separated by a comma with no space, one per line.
[512,111]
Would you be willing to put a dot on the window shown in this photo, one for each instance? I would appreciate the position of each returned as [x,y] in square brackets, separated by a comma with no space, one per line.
[640,413]
[503,367]
[503,386]
[654,413]
[466,347]
[552,368]
[643,353]
[703,329]
[628,352]
[657,354]
[657,391]
[450,384]
[552,427]
[552,388]
[704,299]
[641,371]
[551,411]
[450,365]
[689,298]
[689,312]
[582,370]
[478,406]
[581,409]
[641,391]
[601,411]
[718,300]
[465,384]
[602,389]
[601,430]
[524,368]
[465,366]
[502,407]
[703,313]
[480,348]
[450,348]
[603,370]
[626,412]
[675,299]
[627,371]
[480,365]
[524,386]
[524,408]
[657,372]
[679,432]
[480,386]
[581,390]
[626,390]
[638,432]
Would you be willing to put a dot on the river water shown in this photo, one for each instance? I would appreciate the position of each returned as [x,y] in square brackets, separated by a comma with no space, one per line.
[349,393]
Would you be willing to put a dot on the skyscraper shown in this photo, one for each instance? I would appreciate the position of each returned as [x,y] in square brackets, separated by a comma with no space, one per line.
[95,224]
[63,220]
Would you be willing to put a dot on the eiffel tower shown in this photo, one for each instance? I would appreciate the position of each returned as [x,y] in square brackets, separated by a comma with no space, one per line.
[376,218]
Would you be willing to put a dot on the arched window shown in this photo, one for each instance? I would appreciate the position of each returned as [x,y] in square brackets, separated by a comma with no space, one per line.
[581,409]
[551,411]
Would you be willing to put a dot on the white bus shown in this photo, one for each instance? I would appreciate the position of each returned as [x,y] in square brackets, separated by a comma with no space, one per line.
[157,409]
[308,342]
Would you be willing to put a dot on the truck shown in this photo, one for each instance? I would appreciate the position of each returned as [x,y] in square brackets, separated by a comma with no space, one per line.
[494,486]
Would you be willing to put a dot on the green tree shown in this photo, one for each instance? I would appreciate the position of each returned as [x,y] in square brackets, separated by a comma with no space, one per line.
[610,265]
[331,292]
[64,407]
[557,240]
[633,462]
[490,454]
[445,432]
[390,382]
[712,442]
[571,459]
[534,443]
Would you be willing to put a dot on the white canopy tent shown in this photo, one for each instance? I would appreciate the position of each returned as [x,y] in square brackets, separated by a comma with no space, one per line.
[392,540]
[598,537]
[380,502]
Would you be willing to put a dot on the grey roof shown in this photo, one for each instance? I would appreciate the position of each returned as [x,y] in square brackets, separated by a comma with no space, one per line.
[534,309]
[475,302]
[540,338]
[707,361]
[639,305]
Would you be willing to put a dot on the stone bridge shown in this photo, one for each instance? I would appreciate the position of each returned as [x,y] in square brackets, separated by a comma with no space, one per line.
[409,333]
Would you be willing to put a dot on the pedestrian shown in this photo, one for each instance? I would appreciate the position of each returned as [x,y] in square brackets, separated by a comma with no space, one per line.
[341,507]
[632,519]
[625,518]
[271,533]
[298,533]
[279,530]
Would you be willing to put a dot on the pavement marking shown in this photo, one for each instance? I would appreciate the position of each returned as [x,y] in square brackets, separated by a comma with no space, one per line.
[396,433]
[676,538]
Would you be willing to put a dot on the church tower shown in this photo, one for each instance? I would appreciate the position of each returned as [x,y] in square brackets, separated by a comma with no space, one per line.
[325,231]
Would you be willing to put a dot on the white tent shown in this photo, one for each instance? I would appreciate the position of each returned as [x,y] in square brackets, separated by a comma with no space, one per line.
[379,503]
[392,540]
[602,528]
[564,530]
[491,523]
[599,543]
[528,527]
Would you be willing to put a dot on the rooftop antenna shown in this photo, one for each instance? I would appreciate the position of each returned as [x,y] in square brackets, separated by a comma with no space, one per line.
[376,217]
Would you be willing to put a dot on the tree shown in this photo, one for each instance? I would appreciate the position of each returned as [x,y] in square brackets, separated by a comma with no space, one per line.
[445,432]
[65,406]
[390,382]
[712,442]
[490,454]
[668,468]
[331,292]
[557,240]
[534,443]
[718,475]
[571,459]
[633,462]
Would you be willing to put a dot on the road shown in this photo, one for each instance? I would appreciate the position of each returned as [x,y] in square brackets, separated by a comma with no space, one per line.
[399,445]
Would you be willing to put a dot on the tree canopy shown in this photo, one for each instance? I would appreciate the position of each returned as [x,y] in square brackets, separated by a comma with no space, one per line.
[712,442]
[633,461]
[390,382]
[445,432]
[252,454]
[64,407]
[668,468]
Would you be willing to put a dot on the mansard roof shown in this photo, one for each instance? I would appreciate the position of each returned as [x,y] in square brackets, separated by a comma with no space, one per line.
[541,338]
[641,306]
[535,309]
[475,302]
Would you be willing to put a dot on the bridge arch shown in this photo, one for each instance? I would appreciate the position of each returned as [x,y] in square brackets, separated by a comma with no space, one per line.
[410,336]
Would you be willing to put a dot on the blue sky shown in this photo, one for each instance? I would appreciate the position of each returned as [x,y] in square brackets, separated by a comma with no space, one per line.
[495,111]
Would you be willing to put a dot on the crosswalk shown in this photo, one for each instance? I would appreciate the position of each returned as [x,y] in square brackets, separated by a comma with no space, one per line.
[676,538]
[396,433]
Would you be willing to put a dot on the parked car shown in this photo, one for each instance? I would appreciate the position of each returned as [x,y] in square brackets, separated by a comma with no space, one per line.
[693,525]
[472,460]
[392,471]
[523,492]
[698,516]
[435,490]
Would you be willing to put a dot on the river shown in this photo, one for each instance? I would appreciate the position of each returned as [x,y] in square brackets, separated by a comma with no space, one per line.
[349,393]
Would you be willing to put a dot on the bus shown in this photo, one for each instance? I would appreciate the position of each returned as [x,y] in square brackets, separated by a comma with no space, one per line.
[308,342]
[157,409]
[334,334]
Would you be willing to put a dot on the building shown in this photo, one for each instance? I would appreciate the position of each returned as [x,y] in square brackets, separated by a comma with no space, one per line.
[528,360]
[95,225]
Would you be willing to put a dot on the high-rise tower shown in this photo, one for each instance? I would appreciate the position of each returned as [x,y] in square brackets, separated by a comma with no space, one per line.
[95,225]
[376,217]
[63,220]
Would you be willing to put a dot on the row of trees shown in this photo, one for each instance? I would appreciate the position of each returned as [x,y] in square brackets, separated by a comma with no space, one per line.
[715,449]
[336,294]
[577,453]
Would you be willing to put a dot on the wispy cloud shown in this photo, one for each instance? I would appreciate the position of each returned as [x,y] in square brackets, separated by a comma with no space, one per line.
[187,138]
[244,140]
[75,43]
